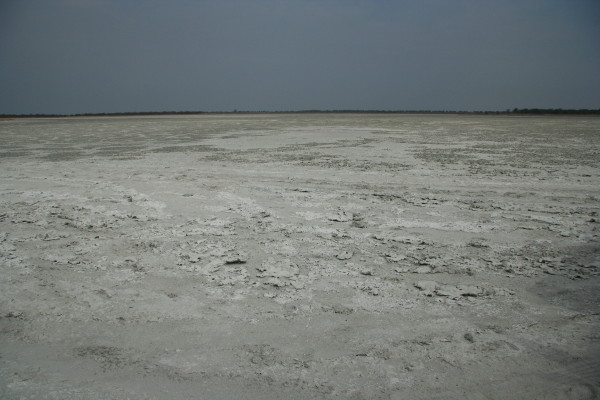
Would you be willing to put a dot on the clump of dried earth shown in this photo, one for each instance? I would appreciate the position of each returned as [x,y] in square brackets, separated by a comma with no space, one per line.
[300,256]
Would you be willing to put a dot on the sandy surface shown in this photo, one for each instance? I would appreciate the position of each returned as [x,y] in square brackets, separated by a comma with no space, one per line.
[300,256]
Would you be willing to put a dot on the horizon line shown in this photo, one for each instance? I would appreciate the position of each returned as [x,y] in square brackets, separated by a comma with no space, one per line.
[523,111]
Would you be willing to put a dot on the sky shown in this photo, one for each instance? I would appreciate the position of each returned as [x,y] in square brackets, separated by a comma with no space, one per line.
[96,56]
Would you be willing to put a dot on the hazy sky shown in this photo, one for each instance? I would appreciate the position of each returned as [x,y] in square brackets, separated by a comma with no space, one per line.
[80,56]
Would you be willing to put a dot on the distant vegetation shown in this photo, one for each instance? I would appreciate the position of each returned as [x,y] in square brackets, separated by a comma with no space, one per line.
[554,111]
[514,111]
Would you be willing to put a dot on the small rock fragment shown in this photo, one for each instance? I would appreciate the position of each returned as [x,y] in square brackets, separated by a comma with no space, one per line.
[394,257]
[469,337]
[358,221]
[262,214]
[237,258]
[277,269]
[428,286]
[103,293]
[470,290]
[340,309]
[344,255]
[193,258]
[380,237]
[275,282]
[341,217]
[448,291]
[297,284]
[359,224]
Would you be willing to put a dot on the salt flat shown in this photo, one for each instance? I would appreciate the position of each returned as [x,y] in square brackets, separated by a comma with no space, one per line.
[300,256]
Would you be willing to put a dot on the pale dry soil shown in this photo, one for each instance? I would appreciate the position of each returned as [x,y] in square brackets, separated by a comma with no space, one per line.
[300,257]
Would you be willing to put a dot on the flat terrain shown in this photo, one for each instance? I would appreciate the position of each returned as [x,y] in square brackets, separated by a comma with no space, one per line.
[300,257]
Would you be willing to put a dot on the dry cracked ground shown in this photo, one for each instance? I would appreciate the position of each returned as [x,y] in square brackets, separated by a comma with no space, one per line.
[300,256]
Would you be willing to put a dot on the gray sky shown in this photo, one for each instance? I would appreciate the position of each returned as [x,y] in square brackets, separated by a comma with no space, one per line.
[84,56]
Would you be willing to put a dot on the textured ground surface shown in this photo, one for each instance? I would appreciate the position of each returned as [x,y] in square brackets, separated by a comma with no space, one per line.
[300,256]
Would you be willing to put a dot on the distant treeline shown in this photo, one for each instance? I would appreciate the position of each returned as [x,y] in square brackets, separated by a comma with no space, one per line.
[514,111]
[554,111]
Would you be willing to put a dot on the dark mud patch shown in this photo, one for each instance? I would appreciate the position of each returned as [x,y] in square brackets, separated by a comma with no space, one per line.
[577,295]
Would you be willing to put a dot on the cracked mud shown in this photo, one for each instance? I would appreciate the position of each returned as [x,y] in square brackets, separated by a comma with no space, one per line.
[300,256]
